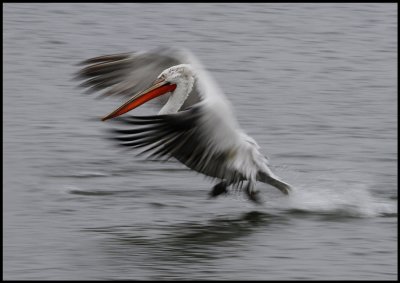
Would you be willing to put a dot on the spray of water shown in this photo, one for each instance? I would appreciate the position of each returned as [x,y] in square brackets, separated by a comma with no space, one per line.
[345,199]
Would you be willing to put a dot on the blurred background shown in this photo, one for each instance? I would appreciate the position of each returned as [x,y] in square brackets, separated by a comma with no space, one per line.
[314,84]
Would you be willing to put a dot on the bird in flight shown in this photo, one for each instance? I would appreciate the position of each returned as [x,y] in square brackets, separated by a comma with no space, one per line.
[195,125]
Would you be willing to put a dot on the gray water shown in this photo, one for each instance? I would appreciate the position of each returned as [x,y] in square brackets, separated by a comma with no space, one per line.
[314,84]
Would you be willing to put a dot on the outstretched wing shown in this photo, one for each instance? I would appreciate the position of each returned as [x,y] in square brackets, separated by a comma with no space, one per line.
[183,135]
[125,74]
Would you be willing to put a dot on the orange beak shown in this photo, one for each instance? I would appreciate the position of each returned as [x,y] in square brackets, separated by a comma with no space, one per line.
[158,88]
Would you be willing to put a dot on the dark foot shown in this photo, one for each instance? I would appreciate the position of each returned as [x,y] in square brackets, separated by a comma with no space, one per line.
[218,189]
[253,194]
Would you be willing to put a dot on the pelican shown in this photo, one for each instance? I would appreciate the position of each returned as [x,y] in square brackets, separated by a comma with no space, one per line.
[196,125]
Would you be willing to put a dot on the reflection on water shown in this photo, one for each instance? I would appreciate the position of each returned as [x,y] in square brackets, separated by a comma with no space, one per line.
[191,235]
[188,243]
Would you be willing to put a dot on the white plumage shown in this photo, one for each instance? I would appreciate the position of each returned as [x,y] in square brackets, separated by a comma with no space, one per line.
[196,125]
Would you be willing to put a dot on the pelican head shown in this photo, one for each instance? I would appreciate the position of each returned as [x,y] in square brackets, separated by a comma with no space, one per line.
[177,79]
[179,74]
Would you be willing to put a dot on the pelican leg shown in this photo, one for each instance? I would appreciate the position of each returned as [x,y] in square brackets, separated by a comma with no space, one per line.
[253,193]
[218,189]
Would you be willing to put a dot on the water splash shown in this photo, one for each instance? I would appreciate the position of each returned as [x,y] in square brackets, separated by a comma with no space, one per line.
[352,200]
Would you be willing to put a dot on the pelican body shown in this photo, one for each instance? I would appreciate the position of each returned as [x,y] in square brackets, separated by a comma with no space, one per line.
[196,124]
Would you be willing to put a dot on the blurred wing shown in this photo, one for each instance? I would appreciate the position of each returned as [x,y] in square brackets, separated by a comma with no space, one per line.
[185,135]
[125,74]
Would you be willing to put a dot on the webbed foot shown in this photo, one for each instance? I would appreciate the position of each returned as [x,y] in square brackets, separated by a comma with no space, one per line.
[220,188]
[253,194]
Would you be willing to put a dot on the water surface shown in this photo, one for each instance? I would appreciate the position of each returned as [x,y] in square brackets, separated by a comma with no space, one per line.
[314,84]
